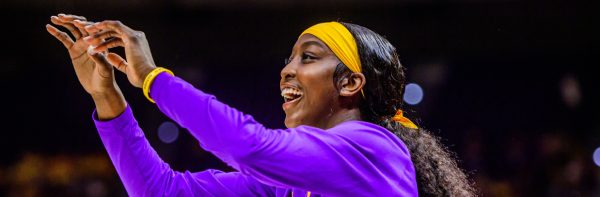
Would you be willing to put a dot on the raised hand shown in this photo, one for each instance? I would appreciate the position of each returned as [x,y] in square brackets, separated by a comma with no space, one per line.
[109,34]
[95,78]
[93,71]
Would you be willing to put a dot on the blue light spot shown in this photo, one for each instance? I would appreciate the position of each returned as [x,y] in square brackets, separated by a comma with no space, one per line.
[168,132]
[597,156]
[413,94]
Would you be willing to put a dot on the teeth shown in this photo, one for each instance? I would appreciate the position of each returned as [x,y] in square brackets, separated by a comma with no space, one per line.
[290,93]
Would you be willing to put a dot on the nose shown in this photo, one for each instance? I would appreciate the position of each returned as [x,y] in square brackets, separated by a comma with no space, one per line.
[288,72]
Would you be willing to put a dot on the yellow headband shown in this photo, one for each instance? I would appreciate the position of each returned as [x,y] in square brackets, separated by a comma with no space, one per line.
[340,41]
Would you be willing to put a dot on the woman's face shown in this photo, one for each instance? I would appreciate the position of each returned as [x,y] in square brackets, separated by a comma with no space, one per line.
[307,83]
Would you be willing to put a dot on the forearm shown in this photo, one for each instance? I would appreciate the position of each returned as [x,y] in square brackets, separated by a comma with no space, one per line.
[109,104]
[219,128]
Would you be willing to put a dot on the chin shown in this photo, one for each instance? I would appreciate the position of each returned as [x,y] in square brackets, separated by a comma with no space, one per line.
[290,123]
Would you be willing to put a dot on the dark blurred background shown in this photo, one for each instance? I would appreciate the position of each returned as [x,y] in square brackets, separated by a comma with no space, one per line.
[510,86]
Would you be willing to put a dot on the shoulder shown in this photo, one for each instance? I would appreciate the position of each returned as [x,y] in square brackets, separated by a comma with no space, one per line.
[358,125]
[361,129]
[382,149]
[370,135]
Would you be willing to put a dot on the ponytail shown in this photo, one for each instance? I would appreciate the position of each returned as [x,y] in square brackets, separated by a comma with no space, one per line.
[437,171]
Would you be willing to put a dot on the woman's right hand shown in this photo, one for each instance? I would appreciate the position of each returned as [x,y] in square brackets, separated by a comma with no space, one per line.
[94,74]
[94,70]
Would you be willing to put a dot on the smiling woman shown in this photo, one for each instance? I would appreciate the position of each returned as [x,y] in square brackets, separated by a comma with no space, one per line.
[346,136]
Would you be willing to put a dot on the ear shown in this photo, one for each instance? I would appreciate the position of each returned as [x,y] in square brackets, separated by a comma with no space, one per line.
[352,84]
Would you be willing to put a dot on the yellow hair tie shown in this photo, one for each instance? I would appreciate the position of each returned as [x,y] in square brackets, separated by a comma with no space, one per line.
[403,120]
[150,78]
[340,41]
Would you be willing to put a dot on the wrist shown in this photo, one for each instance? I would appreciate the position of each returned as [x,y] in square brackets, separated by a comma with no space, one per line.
[144,73]
[109,104]
[105,94]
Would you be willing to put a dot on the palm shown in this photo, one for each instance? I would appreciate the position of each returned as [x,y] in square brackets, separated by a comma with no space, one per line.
[92,69]
[95,78]
[92,77]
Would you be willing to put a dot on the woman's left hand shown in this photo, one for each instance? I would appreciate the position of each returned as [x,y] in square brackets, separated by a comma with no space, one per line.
[109,34]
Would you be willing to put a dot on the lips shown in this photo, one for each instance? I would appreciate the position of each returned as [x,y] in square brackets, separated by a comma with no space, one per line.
[290,96]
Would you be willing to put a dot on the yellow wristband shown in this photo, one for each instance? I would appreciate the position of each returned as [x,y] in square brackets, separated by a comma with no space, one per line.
[150,78]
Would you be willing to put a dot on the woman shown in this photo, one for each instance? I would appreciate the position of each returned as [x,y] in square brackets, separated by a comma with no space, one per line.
[346,136]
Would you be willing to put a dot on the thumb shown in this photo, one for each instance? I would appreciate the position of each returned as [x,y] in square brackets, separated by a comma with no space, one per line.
[103,65]
[118,62]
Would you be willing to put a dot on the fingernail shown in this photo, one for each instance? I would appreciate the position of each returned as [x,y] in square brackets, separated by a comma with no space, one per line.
[87,38]
[61,14]
[54,17]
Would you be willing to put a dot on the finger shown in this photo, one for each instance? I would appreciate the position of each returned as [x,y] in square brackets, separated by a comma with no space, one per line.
[69,26]
[108,44]
[99,37]
[92,28]
[117,61]
[61,36]
[108,25]
[70,17]
[81,23]
[81,26]
[103,64]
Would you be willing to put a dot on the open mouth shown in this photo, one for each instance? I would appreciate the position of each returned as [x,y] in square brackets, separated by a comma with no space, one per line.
[291,94]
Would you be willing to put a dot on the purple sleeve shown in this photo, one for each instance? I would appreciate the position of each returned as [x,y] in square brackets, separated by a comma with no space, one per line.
[144,174]
[309,158]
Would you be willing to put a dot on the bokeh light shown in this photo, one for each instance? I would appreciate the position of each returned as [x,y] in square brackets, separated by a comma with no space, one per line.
[597,156]
[570,91]
[413,94]
[168,132]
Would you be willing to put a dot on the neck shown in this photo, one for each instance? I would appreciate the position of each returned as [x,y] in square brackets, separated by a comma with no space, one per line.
[341,115]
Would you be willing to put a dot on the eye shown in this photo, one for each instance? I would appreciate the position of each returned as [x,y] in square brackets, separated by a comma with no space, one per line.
[307,57]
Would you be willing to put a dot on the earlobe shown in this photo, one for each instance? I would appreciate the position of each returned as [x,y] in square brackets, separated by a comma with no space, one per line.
[352,84]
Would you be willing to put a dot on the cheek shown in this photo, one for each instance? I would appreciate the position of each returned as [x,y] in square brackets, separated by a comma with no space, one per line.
[319,94]
[318,81]
[318,89]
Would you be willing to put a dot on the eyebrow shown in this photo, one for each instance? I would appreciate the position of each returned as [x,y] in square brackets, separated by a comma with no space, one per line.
[308,43]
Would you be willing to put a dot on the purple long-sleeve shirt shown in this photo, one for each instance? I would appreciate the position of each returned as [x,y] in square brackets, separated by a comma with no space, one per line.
[354,158]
